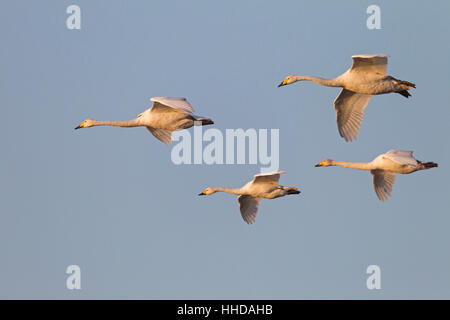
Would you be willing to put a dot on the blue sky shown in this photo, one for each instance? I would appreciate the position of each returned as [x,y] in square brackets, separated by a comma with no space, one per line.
[111,201]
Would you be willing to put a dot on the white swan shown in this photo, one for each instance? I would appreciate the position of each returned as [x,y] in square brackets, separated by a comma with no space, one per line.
[383,168]
[263,185]
[166,115]
[365,78]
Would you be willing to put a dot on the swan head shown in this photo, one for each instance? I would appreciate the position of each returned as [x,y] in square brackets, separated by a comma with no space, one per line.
[86,124]
[288,80]
[207,192]
[325,163]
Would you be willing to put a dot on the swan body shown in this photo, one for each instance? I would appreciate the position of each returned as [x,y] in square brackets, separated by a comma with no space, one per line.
[166,115]
[263,185]
[383,169]
[366,77]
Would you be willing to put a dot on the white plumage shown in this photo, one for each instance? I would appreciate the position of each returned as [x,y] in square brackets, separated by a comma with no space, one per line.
[383,169]
[366,77]
[166,115]
[263,185]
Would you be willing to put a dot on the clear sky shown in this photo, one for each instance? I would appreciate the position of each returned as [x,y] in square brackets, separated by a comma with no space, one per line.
[111,201]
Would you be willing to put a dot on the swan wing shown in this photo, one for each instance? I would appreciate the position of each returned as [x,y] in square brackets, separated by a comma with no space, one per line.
[165,136]
[370,63]
[248,206]
[269,177]
[402,157]
[162,103]
[383,181]
[349,108]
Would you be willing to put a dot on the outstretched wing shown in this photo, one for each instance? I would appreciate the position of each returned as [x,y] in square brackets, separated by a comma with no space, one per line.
[165,136]
[383,181]
[349,108]
[162,103]
[402,157]
[248,206]
[270,177]
[370,63]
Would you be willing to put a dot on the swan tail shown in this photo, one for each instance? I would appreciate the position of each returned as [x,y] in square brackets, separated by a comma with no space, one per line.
[404,93]
[407,83]
[204,121]
[402,86]
[427,165]
[291,190]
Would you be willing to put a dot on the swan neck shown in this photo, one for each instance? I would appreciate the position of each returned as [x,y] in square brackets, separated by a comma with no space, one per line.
[353,165]
[236,191]
[127,123]
[322,81]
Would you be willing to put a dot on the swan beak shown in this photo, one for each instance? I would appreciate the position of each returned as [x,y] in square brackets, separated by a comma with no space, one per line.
[319,164]
[202,194]
[283,83]
[80,126]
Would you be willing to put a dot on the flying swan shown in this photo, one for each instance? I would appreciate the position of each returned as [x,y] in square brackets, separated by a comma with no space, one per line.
[383,168]
[263,185]
[166,115]
[365,78]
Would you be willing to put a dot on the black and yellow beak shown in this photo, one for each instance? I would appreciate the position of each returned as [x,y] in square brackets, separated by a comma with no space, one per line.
[282,83]
[80,126]
[320,164]
[202,194]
